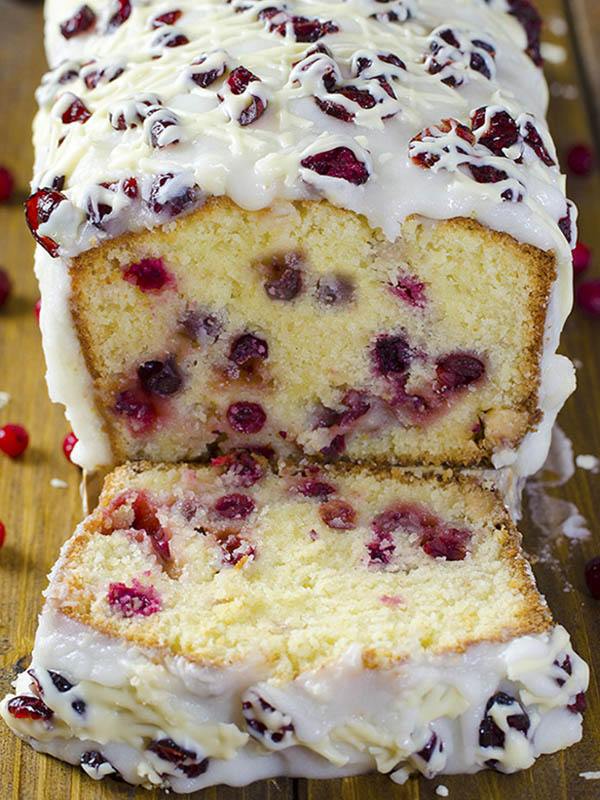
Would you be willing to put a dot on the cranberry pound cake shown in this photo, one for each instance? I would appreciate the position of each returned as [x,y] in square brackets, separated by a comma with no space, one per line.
[220,624]
[332,230]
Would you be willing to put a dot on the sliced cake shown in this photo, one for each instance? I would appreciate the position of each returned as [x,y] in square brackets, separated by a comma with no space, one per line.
[222,624]
[340,234]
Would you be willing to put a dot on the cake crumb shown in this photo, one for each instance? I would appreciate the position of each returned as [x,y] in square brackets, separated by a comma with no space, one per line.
[56,483]
[442,791]
[4,399]
[589,462]
[590,776]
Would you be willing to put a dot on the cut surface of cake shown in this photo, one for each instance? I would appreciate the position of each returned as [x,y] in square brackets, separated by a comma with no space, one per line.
[223,624]
[335,231]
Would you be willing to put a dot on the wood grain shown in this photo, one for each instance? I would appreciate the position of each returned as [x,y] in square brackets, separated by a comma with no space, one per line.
[38,517]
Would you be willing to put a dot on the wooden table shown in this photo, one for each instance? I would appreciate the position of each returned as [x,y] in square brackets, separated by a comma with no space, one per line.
[38,516]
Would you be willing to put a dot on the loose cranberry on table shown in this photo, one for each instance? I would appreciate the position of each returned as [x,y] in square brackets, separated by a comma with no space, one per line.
[68,444]
[7,184]
[580,159]
[2,534]
[5,287]
[592,576]
[588,297]
[37,308]
[13,440]
[582,256]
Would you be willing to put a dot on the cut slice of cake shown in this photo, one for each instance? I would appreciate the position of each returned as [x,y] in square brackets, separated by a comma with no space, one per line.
[222,624]
[338,235]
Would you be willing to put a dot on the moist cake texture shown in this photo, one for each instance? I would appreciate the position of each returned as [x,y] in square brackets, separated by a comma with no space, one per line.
[321,623]
[337,228]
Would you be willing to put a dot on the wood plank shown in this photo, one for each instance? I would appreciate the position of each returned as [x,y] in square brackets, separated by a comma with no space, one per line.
[38,517]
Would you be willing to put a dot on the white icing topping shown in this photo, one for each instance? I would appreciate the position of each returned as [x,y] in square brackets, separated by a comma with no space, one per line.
[427,714]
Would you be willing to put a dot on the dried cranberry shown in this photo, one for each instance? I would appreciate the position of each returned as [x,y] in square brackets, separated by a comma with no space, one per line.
[448,543]
[208,77]
[392,355]
[24,707]
[528,16]
[14,440]
[580,159]
[579,705]
[285,278]
[566,667]
[361,97]
[588,297]
[139,410]
[340,162]
[167,18]
[487,174]
[235,506]
[168,750]
[246,417]
[502,131]
[5,286]
[534,140]
[38,208]
[7,184]
[93,761]
[247,348]
[338,514]
[582,256]
[410,289]
[566,223]
[429,748]
[77,111]
[427,159]
[83,20]
[490,735]
[169,38]
[316,488]
[148,274]
[161,199]
[333,290]
[457,370]
[134,600]
[158,124]
[162,378]
[592,576]
[305,29]
[121,15]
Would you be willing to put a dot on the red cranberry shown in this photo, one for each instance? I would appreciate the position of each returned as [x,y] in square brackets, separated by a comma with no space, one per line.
[140,411]
[95,761]
[121,14]
[392,355]
[448,543]
[246,417]
[168,750]
[582,256]
[169,38]
[241,468]
[235,506]
[338,514]
[305,30]
[490,735]
[501,133]
[2,534]
[37,308]
[247,348]
[285,281]
[429,748]
[168,18]
[580,159]
[333,290]
[528,16]
[38,209]
[162,199]
[361,97]
[82,21]
[239,80]
[235,549]
[264,721]
[134,600]
[162,378]
[201,327]
[5,286]
[205,79]
[24,707]
[149,275]
[335,447]
[68,444]
[427,159]
[146,519]
[534,140]
[159,124]
[457,370]
[341,162]
[592,576]
[7,184]
[487,174]
[566,223]
[77,111]
[410,289]
[316,488]
[13,440]
[579,705]
[381,548]
[588,297]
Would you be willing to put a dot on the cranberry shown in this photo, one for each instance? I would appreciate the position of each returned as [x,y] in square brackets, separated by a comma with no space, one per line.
[340,162]
[285,281]
[565,666]
[82,21]
[588,297]
[429,748]
[158,124]
[528,16]
[248,347]
[94,77]
[490,735]
[381,548]
[534,140]
[146,519]
[60,682]
[76,111]
[457,370]
[592,576]
[501,132]
[246,417]
[335,447]
[235,506]
[162,378]
[411,518]
[148,274]
[238,81]
[121,14]
[5,286]
[24,707]
[305,30]
[2,534]
[169,751]
[264,721]
[161,199]
[242,468]
[129,187]
[13,440]
[7,184]
[338,514]
[410,289]
[134,600]
[579,705]
[333,290]
[582,256]
[316,488]
[566,223]
[427,159]
[361,97]
[234,549]
[392,355]
[38,209]
[487,174]
[168,18]
[357,404]
[209,76]
[580,159]
[94,761]
[448,543]
[169,38]
[140,411]
[37,309]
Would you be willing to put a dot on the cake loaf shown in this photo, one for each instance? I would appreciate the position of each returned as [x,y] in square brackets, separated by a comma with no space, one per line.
[335,230]
[222,624]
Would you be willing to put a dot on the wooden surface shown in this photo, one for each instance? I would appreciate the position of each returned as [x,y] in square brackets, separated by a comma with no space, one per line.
[38,517]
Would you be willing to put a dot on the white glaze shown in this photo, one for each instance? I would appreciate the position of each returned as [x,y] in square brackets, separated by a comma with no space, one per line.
[346,719]
[260,163]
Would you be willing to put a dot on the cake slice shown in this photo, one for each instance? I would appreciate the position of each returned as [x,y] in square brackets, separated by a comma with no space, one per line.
[222,624]
[338,235]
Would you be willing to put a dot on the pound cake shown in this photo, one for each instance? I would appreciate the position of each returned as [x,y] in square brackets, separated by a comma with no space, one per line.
[223,624]
[335,230]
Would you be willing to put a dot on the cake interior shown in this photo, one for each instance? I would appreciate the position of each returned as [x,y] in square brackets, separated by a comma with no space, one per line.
[230,563]
[302,328]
